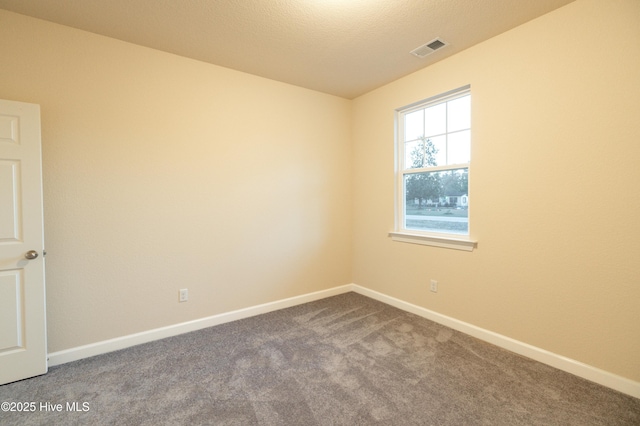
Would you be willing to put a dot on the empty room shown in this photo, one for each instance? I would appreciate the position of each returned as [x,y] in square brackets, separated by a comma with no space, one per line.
[331,212]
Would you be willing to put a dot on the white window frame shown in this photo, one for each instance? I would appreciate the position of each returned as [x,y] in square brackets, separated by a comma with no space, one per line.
[401,233]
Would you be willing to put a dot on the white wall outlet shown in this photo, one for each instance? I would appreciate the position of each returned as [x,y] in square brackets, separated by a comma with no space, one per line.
[434,286]
[184,294]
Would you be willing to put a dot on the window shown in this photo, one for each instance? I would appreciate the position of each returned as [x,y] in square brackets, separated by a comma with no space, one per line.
[433,157]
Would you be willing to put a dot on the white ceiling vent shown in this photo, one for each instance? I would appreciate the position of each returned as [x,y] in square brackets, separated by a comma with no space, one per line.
[429,48]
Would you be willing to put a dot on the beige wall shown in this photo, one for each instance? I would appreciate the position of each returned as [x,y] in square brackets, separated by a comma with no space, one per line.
[554,197]
[162,173]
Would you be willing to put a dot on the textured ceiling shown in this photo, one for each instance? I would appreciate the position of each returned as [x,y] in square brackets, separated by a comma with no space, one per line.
[342,47]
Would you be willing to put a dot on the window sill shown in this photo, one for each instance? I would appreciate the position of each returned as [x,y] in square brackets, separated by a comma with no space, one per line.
[445,241]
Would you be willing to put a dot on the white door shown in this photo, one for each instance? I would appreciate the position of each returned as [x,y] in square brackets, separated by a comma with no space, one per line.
[23,339]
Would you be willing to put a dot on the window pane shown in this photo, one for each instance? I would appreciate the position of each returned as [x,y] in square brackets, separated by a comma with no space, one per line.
[459,147]
[414,125]
[459,114]
[423,153]
[435,120]
[410,152]
[437,201]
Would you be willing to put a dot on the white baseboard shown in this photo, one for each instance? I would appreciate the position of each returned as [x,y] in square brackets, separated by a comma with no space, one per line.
[103,347]
[560,362]
[574,367]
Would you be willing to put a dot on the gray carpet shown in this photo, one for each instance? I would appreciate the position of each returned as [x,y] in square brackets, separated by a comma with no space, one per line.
[344,360]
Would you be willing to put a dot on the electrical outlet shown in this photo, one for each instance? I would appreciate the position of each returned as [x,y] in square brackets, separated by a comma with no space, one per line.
[434,286]
[184,294]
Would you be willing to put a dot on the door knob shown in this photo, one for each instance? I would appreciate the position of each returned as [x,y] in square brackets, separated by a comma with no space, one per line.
[31,254]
